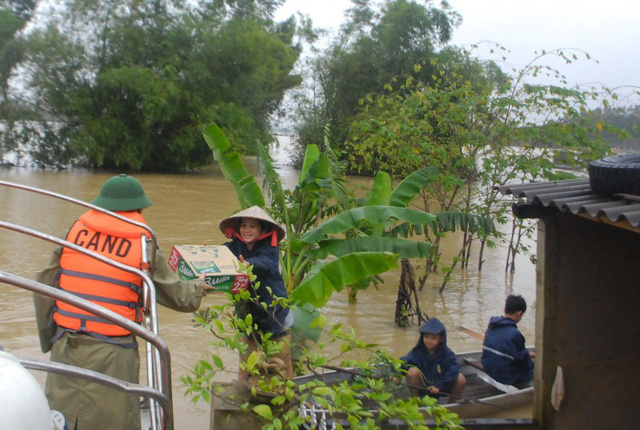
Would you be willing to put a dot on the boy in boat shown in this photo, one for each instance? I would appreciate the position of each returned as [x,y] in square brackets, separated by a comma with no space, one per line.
[254,241]
[504,356]
[78,338]
[433,369]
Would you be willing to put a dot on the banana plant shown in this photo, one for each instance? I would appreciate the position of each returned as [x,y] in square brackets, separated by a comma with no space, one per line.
[298,211]
[385,223]
[377,225]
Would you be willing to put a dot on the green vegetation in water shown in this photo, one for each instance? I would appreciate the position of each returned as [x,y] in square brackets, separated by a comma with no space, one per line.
[368,401]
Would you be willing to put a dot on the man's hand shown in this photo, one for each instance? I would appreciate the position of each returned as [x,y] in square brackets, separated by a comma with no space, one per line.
[206,288]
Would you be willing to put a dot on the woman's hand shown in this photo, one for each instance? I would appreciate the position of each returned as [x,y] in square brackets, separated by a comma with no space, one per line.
[244,262]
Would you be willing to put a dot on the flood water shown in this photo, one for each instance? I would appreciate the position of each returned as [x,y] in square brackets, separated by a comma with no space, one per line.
[186,210]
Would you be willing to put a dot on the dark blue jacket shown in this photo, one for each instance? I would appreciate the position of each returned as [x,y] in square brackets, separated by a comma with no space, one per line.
[265,259]
[439,369]
[504,355]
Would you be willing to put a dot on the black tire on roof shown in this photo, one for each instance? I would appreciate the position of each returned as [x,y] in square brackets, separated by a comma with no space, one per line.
[618,174]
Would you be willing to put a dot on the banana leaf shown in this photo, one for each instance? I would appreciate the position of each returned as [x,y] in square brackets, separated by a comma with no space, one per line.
[406,190]
[318,286]
[273,186]
[448,221]
[247,189]
[374,215]
[217,141]
[317,174]
[381,191]
[305,322]
[405,248]
[311,154]
[453,220]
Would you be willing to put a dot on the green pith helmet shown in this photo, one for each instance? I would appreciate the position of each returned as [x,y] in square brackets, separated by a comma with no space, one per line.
[122,193]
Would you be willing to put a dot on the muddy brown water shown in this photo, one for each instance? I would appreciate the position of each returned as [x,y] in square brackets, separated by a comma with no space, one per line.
[186,210]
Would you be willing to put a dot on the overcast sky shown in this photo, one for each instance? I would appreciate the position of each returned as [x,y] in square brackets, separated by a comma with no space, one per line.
[608,30]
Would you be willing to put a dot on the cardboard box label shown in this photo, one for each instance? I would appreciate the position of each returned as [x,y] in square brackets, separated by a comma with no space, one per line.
[217,263]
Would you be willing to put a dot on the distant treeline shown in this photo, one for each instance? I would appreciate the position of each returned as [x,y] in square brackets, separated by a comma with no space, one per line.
[623,118]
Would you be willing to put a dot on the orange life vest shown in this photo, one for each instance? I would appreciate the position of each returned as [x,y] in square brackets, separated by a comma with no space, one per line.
[96,281]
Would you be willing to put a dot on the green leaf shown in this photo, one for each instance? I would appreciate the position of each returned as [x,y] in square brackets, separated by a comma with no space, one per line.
[373,215]
[310,156]
[322,391]
[381,191]
[454,220]
[218,362]
[247,189]
[318,286]
[252,361]
[406,190]
[405,248]
[263,411]
[304,316]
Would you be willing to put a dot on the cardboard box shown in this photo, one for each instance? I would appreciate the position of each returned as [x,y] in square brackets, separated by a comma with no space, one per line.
[217,263]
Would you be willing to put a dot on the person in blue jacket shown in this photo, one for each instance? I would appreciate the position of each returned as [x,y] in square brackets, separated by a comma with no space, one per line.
[254,241]
[432,368]
[504,356]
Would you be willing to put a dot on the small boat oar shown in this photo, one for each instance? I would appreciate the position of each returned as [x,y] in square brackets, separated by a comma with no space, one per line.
[471,332]
[468,399]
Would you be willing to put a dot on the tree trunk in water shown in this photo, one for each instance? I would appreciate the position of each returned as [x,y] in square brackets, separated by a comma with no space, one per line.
[405,308]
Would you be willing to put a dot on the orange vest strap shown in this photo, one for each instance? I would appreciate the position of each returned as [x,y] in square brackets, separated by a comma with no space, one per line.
[83,275]
[94,298]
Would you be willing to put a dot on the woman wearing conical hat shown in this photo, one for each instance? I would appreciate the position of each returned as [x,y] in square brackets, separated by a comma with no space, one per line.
[254,241]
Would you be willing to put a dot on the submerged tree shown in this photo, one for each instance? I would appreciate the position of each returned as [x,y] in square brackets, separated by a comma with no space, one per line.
[14,16]
[130,85]
[373,46]
[479,133]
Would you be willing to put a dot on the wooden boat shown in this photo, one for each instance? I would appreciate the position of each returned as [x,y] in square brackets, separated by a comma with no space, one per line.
[482,397]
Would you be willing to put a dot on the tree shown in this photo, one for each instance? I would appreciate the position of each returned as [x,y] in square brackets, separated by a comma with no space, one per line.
[131,85]
[479,133]
[372,48]
[14,16]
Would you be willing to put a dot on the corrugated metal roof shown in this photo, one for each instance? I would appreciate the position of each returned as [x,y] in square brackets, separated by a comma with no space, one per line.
[575,196]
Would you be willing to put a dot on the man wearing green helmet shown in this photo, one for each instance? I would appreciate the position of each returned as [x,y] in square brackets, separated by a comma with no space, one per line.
[82,339]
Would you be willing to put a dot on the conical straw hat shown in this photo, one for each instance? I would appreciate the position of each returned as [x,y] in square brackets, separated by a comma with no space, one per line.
[252,212]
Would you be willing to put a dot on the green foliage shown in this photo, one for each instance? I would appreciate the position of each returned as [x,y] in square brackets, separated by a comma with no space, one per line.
[405,248]
[373,47]
[132,84]
[247,189]
[371,215]
[480,129]
[624,122]
[411,186]
[310,280]
[326,278]
[375,394]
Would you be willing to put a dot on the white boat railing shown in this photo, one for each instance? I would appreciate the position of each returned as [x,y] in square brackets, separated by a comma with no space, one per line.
[163,397]
[158,358]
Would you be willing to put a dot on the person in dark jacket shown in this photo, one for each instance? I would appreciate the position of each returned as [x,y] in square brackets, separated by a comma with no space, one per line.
[255,236]
[504,356]
[432,366]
